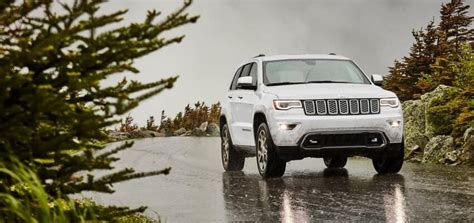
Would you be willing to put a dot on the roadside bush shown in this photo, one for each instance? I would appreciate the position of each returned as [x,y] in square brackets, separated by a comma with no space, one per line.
[192,117]
[127,125]
[453,114]
[150,124]
[443,111]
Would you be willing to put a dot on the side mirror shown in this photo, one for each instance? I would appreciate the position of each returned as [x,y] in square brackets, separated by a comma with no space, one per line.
[246,83]
[377,79]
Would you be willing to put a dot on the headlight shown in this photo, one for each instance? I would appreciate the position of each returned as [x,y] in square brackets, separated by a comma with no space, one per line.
[286,104]
[392,102]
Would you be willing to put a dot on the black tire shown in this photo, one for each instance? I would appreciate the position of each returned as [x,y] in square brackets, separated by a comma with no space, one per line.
[270,165]
[389,164]
[335,161]
[232,160]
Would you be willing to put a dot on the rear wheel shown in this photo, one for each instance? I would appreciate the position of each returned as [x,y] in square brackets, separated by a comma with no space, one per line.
[335,161]
[232,160]
[389,164]
[268,162]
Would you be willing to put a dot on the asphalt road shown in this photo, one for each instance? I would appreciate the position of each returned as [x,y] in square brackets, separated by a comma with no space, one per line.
[198,189]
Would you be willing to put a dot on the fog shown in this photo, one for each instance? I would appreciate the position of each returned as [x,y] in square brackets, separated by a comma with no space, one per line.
[372,32]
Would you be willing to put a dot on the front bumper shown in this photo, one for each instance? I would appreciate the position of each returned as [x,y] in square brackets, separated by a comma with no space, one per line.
[295,152]
[333,124]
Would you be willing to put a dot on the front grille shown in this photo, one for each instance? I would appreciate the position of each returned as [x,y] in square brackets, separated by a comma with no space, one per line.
[342,107]
[364,139]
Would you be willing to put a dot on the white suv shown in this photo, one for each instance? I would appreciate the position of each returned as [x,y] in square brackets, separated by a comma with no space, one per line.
[282,108]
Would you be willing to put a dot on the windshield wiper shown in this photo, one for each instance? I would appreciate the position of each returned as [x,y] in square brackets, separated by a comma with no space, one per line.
[328,81]
[284,83]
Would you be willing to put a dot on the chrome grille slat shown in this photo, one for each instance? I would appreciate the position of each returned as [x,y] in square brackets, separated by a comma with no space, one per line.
[321,107]
[343,107]
[364,106]
[332,107]
[352,106]
[374,106]
[309,107]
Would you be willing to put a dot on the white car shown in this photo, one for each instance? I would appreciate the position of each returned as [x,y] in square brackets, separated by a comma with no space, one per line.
[289,107]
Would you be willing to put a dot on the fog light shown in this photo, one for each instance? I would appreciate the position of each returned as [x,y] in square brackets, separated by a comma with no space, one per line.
[286,126]
[394,124]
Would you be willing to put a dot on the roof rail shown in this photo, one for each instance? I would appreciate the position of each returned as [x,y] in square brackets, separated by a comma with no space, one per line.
[260,55]
[333,54]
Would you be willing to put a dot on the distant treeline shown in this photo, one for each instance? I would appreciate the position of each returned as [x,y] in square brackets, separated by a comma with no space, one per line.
[189,119]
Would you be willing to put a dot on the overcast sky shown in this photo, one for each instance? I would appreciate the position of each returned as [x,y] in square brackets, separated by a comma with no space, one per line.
[372,32]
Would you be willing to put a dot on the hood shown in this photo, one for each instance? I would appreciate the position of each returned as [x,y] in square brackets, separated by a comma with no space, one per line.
[328,91]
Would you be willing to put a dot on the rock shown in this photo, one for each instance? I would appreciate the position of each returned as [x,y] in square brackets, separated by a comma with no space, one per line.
[198,132]
[150,133]
[467,149]
[179,132]
[159,134]
[437,148]
[468,134]
[137,134]
[117,136]
[415,139]
[451,157]
[420,141]
[188,133]
[213,129]
[414,153]
[203,126]
[414,113]
[414,124]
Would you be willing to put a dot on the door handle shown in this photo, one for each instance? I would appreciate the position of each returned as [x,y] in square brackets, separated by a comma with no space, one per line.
[240,97]
[230,97]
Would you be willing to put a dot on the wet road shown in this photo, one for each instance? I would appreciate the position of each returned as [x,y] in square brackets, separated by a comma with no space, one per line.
[198,190]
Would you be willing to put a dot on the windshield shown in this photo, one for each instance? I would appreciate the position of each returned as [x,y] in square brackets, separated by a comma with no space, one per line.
[300,71]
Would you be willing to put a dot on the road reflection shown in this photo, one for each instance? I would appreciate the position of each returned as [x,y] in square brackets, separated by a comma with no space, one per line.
[306,197]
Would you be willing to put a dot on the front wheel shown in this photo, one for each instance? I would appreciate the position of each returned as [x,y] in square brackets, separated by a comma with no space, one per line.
[232,160]
[389,164]
[268,162]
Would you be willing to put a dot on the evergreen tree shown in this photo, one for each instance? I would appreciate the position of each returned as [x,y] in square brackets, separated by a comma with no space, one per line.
[435,51]
[454,30]
[51,101]
[414,66]
[455,24]
[396,81]
[150,124]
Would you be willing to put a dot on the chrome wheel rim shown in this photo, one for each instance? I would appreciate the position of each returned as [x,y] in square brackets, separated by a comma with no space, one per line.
[262,155]
[225,146]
